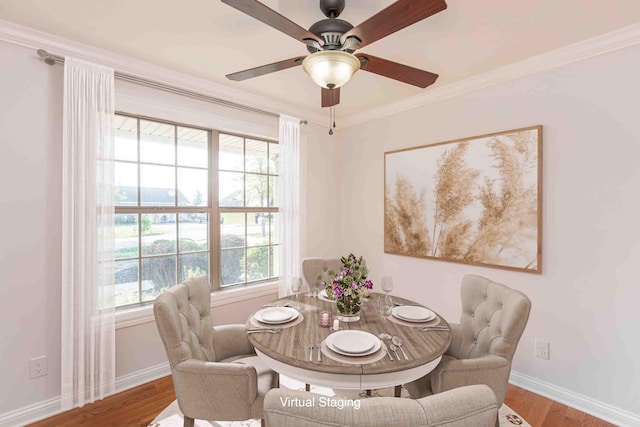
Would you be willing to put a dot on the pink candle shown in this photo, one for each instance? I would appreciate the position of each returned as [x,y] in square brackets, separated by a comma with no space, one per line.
[324,319]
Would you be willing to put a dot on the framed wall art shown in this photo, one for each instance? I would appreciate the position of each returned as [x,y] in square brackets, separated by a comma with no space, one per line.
[476,200]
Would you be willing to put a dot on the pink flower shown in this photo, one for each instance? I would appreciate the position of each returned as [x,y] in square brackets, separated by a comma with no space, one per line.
[337,291]
[354,285]
[368,284]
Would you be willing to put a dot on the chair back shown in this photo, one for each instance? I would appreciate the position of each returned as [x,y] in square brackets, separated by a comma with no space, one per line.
[473,405]
[312,267]
[183,319]
[493,319]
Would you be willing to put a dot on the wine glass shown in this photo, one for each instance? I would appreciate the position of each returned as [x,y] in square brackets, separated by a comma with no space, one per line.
[385,306]
[316,287]
[387,284]
[296,287]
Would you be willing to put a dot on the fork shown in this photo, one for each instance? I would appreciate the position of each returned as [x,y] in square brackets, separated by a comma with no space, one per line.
[319,346]
[433,328]
[386,350]
[311,347]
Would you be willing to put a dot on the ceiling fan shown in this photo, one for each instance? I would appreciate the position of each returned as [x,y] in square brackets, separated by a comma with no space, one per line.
[332,42]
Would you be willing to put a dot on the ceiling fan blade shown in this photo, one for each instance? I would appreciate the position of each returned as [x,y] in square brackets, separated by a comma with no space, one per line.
[397,16]
[265,69]
[273,19]
[400,72]
[330,99]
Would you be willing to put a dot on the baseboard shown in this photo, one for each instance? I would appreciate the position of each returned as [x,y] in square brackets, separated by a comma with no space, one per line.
[50,407]
[580,402]
[31,413]
[134,379]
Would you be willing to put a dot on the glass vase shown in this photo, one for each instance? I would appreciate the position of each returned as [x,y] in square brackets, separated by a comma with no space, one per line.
[348,309]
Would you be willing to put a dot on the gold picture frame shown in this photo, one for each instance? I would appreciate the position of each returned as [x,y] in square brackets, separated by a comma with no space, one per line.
[475,200]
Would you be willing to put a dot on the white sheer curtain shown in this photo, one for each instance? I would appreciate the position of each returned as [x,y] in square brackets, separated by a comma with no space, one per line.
[88,314]
[289,141]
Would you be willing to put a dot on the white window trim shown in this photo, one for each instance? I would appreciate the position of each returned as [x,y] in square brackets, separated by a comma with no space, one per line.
[141,315]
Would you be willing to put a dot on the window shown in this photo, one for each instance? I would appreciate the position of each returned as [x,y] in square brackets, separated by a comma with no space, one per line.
[248,171]
[166,180]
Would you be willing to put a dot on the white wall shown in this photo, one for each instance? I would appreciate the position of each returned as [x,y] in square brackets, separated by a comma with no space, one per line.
[30,205]
[586,301]
[321,213]
[30,249]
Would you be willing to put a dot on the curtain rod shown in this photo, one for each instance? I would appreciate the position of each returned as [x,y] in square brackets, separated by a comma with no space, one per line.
[54,59]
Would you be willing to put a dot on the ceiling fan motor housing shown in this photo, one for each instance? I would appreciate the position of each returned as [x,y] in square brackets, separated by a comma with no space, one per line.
[330,31]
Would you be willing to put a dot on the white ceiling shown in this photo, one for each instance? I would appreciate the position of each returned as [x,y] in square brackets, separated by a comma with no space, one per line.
[208,39]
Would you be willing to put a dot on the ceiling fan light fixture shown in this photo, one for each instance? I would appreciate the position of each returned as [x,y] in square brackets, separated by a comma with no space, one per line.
[331,67]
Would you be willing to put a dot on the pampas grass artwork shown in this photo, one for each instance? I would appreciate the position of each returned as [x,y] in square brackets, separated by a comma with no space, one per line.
[475,200]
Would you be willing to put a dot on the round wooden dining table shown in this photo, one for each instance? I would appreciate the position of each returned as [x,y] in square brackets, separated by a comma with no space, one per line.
[288,351]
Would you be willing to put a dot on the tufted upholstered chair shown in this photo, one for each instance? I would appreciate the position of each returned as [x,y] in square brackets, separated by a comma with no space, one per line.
[492,321]
[311,267]
[216,374]
[471,406]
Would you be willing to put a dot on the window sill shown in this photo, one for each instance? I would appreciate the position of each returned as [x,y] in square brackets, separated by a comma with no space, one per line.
[141,315]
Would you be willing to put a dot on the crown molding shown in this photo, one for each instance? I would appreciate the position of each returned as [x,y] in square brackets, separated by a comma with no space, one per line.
[55,45]
[619,39]
[30,38]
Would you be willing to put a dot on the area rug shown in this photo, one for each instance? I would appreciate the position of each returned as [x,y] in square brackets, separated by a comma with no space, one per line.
[172,417]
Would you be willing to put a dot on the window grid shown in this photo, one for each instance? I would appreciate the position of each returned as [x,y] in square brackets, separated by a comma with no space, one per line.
[177,213]
[270,245]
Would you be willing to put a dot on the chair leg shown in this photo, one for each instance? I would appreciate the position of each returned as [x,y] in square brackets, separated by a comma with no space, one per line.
[398,391]
[262,423]
[307,387]
[368,392]
[188,421]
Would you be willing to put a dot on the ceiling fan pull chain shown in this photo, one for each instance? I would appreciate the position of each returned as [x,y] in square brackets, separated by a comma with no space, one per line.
[332,119]
[332,108]
[334,115]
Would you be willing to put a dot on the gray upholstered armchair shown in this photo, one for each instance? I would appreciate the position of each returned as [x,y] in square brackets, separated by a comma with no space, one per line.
[472,406]
[216,374]
[492,321]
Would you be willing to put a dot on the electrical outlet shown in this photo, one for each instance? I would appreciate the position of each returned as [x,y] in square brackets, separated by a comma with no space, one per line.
[38,367]
[542,349]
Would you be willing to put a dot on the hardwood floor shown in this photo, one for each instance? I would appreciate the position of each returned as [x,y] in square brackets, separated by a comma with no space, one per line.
[135,407]
[540,411]
[140,405]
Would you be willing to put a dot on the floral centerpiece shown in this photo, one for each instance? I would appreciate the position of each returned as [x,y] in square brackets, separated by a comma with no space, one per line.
[348,286]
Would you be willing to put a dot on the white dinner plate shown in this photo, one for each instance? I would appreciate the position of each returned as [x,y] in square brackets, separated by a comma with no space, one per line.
[323,296]
[412,313]
[353,343]
[276,315]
